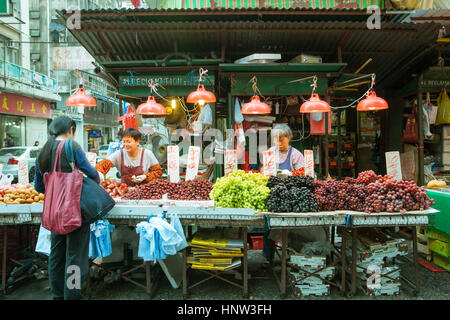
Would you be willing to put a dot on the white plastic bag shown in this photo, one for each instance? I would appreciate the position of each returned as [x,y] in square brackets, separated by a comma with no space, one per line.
[205,116]
[238,117]
[6,179]
[176,224]
[43,244]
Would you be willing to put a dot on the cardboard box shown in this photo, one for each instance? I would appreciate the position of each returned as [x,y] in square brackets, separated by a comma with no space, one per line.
[442,262]
[306,58]
[446,132]
[436,234]
[440,247]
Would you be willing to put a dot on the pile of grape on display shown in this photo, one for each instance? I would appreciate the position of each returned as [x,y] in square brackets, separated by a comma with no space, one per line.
[371,193]
[377,270]
[305,284]
[291,194]
[239,189]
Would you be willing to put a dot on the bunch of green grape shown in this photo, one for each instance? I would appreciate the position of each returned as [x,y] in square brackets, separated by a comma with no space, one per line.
[241,190]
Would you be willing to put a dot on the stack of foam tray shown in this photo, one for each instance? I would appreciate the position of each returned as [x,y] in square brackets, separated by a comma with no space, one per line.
[215,250]
[305,284]
[376,272]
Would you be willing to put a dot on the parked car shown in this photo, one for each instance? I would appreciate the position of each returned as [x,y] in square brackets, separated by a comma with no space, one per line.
[10,157]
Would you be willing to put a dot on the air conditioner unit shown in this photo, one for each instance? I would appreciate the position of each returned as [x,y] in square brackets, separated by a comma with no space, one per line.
[35,56]
[13,45]
[35,14]
[35,32]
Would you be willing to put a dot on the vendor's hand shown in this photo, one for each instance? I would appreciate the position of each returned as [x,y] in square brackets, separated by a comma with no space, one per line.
[102,176]
[138,179]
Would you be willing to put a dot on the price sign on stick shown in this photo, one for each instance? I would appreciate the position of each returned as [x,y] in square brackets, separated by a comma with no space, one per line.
[309,163]
[230,161]
[192,163]
[23,172]
[173,163]
[270,167]
[92,157]
[393,165]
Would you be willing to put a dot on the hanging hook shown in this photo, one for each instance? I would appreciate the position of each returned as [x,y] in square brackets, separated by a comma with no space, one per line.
[79,76]
[314,84]
[202,73]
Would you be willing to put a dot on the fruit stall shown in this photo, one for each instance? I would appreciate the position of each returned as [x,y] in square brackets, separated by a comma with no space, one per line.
[250,200]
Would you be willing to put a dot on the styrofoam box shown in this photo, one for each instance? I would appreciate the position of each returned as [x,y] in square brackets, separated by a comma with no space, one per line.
[295,277]
[446,132]
[303,261]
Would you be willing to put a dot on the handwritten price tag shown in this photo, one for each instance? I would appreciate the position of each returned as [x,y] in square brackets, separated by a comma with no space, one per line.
[230,161]
[270,167]
[393,165]
[192,164]
[173,163]
[23,172]
[309,163]
[92,158]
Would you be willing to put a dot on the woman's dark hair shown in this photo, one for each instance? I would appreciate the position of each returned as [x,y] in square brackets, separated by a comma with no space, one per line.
[60,125]
[135,134]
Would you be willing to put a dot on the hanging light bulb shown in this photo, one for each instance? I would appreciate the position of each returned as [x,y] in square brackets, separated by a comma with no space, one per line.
[201,95]
[372,102]
[314,104]
[151,108]
[174,104]
[255,106]
[80,98]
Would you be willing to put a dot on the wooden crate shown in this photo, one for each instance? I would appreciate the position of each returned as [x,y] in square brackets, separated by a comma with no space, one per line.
[423,244]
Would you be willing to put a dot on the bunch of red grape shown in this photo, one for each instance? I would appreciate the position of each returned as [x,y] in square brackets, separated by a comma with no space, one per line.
[197,189]
[371,193]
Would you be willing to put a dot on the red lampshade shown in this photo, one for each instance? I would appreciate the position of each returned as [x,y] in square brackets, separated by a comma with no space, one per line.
[201,94]
[315,104]
[372,103]
[81,99]
[151,108]
[255,106]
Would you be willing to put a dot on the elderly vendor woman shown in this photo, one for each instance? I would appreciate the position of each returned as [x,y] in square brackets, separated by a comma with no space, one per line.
[289,158]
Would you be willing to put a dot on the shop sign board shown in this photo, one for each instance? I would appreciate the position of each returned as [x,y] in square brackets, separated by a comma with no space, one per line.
[92,158]
[167,80]
[230,161]
[173,163]
[309,163]
[23,172]
[270,167]
[24,106]
[72,58]
[193,162]
[393,165]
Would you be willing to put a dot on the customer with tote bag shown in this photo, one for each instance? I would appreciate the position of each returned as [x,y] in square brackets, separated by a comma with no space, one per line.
[68,261]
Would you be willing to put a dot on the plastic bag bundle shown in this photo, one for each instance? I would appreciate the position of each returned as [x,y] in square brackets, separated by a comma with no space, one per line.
[100,239]
[43,244]
[443,113]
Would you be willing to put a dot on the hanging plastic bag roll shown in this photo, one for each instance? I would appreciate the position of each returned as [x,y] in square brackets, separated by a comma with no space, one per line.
[238,117]
[176,224]
[443,114]
[205,116]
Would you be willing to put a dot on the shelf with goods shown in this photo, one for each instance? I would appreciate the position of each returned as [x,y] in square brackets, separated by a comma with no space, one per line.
[346,138]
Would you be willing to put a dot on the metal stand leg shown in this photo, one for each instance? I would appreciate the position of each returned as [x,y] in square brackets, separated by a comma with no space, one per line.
[4,262]
[283,262]
[354,248]
[245,264]
[148,278]
[185,284]
[343,261]
[415,260]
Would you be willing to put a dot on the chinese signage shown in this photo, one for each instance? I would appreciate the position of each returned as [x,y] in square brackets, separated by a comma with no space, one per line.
[230,161]
[173,163]
[309,163]
[71,58]
[180,80]
[270,167]
[393,166]
[192,163]
[23,172]
[24,106]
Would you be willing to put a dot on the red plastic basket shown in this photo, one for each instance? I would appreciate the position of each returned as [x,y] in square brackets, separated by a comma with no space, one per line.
[257,242]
